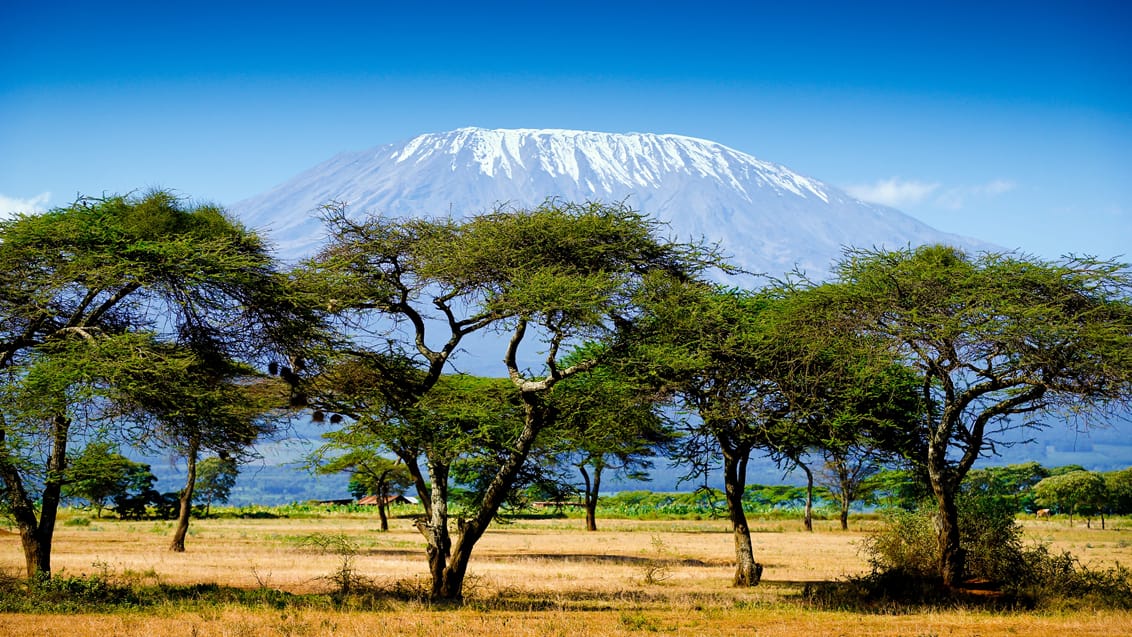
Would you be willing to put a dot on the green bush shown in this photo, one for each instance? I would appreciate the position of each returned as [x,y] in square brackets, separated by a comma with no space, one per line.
[988,533]
[1060,580]
[905,568]
[907,543]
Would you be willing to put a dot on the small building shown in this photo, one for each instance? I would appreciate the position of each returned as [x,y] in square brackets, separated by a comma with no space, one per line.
[371,500]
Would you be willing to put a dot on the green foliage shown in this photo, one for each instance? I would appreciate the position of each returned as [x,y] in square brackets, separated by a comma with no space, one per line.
[1012,484]
[989,534]
[560,273]
[98,474]
[1074,493]
[994,339]
[1059,581]
[604,421]
[215,478]
[905,568]
[1118,485]
[109,308]
[104,591]
[758,499]
[900,489]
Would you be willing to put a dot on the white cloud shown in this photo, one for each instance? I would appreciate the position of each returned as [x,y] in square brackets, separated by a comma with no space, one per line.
[9,206]
[996,187]
[893,192]
[957,197]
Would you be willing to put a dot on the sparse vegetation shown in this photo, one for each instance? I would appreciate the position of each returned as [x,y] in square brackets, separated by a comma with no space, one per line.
[312,565]
[1004,570]
[144,321]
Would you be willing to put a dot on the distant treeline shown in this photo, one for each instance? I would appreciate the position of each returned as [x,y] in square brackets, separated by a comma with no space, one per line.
[1026,488]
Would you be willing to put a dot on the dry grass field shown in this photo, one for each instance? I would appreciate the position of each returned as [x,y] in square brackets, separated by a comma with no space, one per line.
[530,577]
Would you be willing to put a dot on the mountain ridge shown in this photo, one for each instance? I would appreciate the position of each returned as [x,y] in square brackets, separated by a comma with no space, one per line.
[767,217]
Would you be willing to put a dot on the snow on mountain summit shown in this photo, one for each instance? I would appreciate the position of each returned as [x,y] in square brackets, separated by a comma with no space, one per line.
[767,217]
[605,162]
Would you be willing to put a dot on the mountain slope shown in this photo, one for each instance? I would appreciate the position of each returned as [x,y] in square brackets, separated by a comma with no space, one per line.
[766,217]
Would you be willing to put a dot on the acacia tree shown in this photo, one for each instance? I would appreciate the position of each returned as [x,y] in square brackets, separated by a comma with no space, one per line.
[847,404]
[216,475]
[709,349]
[603,421]
[98,473]
[1075,493]
[84,290]
[1013,484]
[208,405]
[997,341]
[1118,485]
[841,396]
[356,450]
[559,273]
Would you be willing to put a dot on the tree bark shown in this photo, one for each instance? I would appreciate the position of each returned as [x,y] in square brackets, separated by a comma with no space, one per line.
[748,572]
[419,483]
[808,517]
[436,528]
[952,556]
[382,492]
[945,487]
[846,494]
[448,577]
[591,491]
[36,536]
[185,511]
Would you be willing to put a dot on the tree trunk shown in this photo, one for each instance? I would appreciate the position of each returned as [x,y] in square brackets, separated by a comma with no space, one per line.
[382,491]
[22,510]
[439,542]
[419,483]
[591,491]
[945,487]
[185,511]
[952,556]
[52,489]
[808,517]
[448,578]
[747,571]
[845,482]
[36,535]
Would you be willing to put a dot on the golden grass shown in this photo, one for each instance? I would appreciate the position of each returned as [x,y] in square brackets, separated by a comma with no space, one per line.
[768,622]
[539,577]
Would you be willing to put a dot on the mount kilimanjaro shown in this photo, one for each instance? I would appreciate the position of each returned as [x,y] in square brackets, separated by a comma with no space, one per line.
[767,218]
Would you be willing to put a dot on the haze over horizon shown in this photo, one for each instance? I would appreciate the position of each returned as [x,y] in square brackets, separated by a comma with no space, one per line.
[1009,124]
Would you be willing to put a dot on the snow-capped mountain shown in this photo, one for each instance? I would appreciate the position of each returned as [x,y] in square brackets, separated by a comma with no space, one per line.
[766,217]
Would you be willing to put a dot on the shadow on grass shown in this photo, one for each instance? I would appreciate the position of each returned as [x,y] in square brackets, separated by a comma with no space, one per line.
[877,593]
[896,591]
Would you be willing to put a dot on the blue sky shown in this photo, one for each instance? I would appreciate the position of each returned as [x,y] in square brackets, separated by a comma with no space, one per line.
[1006,121]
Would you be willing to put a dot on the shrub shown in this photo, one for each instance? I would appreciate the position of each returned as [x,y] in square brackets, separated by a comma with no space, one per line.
[1060,580]
[904,567]
[987,531]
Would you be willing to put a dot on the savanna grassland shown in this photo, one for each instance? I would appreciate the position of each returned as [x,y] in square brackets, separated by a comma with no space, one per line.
[528,577]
